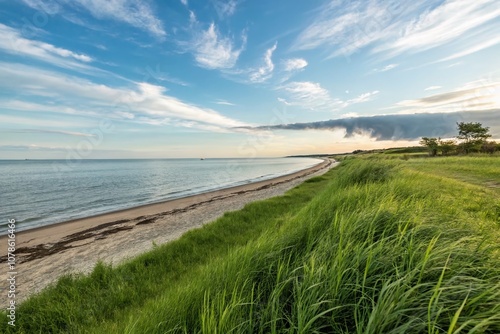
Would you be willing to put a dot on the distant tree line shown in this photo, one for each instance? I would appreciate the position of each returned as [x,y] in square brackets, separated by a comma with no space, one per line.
[472,137]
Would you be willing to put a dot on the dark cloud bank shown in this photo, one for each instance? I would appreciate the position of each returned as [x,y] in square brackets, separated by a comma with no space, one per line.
[401,127]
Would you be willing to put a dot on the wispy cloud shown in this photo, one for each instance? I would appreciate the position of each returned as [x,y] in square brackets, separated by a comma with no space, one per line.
[224,103]
[12,42]
[32,147]
[441,25]
[310,95]
[184,2]
[214,51]
[57,132]
[158,75]
[27,120]
[142,102]
[433,88]
[136,13]
[476,48]
[390,30]
[386,68]
[264,72]
[294,64]
[225,8]
[365,97]
[47,6]
[477,95]
[345,27]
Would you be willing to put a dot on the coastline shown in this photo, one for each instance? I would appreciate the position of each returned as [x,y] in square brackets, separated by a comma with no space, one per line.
[46,253]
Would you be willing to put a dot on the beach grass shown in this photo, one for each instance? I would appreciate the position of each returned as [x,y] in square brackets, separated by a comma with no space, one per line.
[376,245]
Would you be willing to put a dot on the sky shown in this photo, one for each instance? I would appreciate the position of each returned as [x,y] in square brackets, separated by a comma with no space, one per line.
[93,79]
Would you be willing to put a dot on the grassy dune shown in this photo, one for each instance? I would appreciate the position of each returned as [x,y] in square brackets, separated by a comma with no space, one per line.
[376,245]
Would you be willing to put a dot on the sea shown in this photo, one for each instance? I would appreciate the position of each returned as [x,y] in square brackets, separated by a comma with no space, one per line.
[43,192]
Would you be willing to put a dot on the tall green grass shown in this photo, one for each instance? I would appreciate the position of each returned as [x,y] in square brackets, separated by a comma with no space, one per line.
[380,246]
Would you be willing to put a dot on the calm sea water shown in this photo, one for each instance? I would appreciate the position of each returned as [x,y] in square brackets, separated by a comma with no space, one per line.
[42,192]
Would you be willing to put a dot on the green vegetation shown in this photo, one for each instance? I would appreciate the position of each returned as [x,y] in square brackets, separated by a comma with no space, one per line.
[473,136]
[376,245]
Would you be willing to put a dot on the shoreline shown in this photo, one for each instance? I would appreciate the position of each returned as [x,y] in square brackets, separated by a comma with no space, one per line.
[53,232]
[44,254]
[157,202]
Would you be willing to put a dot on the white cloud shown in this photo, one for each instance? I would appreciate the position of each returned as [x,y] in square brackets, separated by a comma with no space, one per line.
[386,68]
[136,13]
[224,103]
[225,8]
[476,48]
[184,2]
[32,147]
[433,88]
[442,25]
[12,42]
[454,64]
[145,102]
[192,17]
[213,51]
[397,27]
[294,64]
[308,95]
[345,28]
[57,132]
[282,100]
[311,95]
[349,115]
[474,96]
[27,121]
[48,6]
[266,71]
[365,97]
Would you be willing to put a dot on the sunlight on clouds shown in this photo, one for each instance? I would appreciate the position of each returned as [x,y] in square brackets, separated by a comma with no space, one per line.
[477,95]
[144,102]
[321,141]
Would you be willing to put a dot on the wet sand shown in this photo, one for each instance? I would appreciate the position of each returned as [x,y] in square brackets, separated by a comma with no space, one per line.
[44,254]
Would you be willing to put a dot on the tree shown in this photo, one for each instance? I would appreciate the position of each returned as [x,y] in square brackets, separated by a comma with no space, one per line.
[431,144]
[446,146]
[489,147]
[473,135]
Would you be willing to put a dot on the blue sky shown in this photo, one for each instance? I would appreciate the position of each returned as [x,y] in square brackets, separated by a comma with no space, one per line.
[235,78]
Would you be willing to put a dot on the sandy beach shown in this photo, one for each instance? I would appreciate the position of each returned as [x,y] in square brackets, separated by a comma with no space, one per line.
[44,254]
